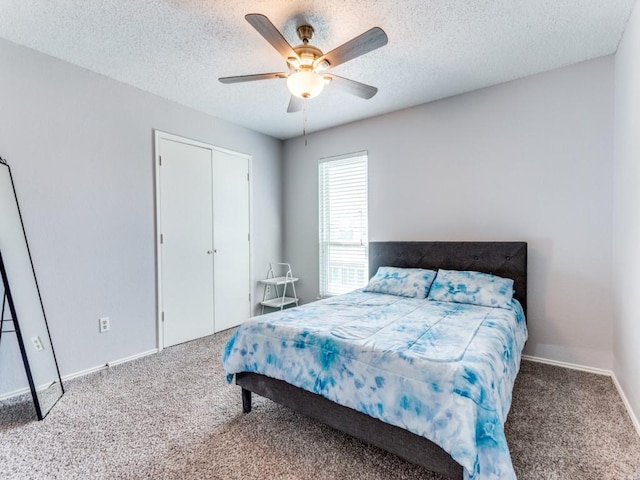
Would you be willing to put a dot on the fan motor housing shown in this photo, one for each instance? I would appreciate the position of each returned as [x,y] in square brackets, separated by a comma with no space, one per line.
[307,53]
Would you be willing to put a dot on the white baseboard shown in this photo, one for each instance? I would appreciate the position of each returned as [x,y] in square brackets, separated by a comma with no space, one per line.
[14,393]
[572,366]
[598,371]
[132,357]
[113,363]
[82,373]
[634,419]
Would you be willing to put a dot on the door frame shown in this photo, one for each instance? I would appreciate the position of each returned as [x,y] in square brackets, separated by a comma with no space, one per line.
[159,135]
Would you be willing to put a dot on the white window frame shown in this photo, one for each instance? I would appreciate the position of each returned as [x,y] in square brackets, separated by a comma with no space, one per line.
[353,249]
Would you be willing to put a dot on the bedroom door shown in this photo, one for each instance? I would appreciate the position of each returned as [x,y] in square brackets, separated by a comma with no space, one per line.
[204,242]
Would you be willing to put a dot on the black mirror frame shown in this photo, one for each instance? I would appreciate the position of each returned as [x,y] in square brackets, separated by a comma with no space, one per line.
[14,317]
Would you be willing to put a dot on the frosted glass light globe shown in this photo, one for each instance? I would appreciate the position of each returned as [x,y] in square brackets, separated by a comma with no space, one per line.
[305,83]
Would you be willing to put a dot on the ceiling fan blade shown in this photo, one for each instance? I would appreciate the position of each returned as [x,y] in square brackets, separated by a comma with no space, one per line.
[365,43]
[295,104]
[251,78]
[271,34]
[351,86]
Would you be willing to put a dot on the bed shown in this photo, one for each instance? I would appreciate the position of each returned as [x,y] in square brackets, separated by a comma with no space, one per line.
[428,425]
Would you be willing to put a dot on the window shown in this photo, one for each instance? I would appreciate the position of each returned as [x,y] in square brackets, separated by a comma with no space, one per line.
[343,224]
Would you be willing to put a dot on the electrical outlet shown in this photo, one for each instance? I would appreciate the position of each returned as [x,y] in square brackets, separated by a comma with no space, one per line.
[37,344]
[105,324]
[268,289]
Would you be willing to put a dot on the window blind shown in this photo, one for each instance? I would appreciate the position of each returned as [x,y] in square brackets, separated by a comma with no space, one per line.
[343,224]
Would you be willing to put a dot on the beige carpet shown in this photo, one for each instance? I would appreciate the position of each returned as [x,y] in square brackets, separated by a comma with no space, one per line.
[172,416]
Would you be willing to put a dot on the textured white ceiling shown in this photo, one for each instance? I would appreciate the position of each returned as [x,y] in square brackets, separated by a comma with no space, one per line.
[437,48]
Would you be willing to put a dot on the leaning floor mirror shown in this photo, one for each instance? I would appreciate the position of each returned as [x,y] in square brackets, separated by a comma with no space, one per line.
[27,360]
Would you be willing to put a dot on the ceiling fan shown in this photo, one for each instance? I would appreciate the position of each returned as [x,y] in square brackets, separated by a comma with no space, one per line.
[307,63]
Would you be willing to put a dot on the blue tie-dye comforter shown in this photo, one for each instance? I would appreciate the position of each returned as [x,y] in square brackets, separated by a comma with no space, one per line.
[441,370]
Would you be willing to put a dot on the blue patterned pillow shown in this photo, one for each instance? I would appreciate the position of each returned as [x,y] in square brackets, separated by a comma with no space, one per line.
[406,282]
[472,287]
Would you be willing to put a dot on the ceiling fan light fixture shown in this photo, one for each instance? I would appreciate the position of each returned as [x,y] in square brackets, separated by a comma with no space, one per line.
[293,62]
[321,66]
[307,64]
[305,84]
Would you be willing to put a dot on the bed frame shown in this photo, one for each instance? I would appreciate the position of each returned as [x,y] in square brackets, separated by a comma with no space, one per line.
[505,259]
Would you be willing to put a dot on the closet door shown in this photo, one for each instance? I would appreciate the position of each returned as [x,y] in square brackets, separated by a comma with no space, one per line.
[203,219]
[186,250]
[231,239]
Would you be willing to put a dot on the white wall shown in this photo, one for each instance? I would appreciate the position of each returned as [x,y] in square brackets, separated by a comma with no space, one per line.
[626,232]
[80,147]
[526,160]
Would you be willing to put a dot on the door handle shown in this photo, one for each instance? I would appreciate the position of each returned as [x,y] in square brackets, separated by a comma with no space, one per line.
[209,252]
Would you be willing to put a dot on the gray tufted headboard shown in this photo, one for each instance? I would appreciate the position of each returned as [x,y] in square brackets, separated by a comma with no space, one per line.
[505,259]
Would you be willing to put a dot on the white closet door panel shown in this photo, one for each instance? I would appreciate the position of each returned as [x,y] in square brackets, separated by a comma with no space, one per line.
[231,239]
[186,251]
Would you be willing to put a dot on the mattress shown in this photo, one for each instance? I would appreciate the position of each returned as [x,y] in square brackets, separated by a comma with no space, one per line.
[441,370]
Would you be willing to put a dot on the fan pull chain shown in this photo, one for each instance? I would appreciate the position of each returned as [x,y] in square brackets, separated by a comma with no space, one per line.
[304,120]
